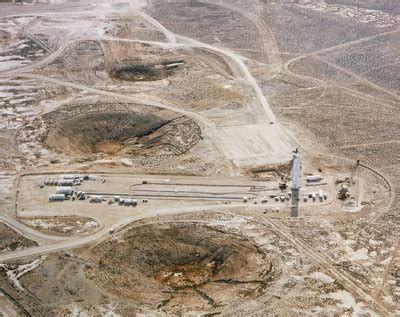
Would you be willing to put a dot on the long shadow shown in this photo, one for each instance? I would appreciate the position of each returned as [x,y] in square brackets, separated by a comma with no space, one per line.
[294,208]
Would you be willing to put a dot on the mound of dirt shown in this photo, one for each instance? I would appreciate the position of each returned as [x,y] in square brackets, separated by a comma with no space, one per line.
[64,225]
[140,70]
[181,266]
[117,130]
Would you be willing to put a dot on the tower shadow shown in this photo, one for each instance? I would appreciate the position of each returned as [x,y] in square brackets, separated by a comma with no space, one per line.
[294,207]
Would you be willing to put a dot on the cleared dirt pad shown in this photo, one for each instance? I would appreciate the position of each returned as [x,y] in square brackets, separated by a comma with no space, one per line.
[180,266]
[61,225]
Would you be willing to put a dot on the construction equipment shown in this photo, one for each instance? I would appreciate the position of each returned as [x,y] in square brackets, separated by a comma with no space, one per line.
[349,179]
[343,193]
[283,183]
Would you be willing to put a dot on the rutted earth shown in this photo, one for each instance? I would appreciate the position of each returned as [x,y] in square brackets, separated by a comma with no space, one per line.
[144,87]
[180,266]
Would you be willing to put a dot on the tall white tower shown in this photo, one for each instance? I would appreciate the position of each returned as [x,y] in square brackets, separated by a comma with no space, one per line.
[296,171]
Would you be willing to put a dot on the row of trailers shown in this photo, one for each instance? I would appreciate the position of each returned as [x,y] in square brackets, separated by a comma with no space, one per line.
[64,190]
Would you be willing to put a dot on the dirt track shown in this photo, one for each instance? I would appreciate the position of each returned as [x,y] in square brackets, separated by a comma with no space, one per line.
[144,87]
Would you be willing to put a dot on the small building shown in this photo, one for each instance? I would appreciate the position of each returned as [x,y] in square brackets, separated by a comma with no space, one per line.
[117,198]
[96,199]
[313,178]
[64,190]
[56,197]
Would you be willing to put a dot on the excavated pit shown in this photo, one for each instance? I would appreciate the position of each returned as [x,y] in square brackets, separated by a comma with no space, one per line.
[142,70]
[182,265]
[117,130]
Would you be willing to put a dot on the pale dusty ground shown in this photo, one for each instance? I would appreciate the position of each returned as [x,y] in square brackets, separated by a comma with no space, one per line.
[251,82]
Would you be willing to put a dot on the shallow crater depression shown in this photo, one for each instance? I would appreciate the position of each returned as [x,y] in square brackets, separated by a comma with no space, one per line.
[182,266]
[118,130]
[141,70]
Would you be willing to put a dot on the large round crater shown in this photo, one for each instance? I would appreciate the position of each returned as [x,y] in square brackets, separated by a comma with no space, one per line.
[119,130]
[146,70]
[182,266]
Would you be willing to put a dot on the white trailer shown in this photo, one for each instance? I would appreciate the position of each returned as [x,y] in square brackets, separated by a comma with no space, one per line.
[64,190]
[68,176]
[313,178]
[56,197]
[65,182]
[96,199]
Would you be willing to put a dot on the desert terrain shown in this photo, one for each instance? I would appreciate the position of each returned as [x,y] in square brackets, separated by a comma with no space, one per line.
[199,158]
